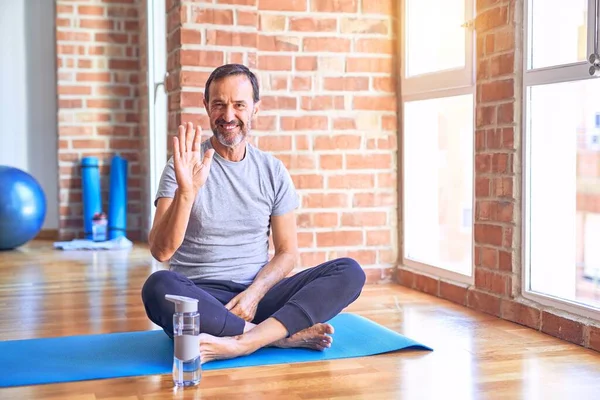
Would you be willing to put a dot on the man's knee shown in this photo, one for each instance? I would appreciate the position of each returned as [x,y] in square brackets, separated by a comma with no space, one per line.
[352,271]
[155,285]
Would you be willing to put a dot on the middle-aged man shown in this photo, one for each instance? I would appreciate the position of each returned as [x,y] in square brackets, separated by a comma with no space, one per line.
[216,205]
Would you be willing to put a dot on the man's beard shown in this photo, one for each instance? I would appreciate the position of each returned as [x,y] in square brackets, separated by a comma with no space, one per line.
[229,140]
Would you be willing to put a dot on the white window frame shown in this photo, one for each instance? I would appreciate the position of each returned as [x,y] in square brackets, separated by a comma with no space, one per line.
[157,98]
[431,86]
[578,71]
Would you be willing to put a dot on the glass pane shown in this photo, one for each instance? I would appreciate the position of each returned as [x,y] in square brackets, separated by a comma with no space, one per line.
[438,182]
[564,184]
[558,32]
[435,40]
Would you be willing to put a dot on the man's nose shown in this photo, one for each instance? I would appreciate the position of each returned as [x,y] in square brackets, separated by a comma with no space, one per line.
[229,113]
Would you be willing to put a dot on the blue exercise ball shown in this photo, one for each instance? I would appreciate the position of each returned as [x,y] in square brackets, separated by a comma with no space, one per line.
[22,207]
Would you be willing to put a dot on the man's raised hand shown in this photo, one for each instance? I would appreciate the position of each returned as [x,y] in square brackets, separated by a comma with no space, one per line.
[191,171]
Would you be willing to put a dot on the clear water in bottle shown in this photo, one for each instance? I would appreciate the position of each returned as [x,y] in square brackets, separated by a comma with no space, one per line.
[187,369]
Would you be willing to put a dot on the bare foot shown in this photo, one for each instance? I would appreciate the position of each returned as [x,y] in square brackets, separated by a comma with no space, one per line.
[220,348]
[316,337]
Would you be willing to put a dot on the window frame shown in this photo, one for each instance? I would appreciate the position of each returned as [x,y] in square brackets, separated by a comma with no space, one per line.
[531,77]
[432,86]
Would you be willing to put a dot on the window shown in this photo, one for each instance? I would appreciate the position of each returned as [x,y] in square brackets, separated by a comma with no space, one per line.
[438,88]
[562,155]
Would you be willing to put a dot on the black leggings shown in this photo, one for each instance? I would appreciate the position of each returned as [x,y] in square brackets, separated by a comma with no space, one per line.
[312,296]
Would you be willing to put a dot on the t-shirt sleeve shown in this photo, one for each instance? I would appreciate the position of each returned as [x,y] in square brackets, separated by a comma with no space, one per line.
[286,197]
[167,184]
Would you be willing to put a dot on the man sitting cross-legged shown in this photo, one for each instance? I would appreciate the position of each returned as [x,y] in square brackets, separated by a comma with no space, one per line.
[216,205]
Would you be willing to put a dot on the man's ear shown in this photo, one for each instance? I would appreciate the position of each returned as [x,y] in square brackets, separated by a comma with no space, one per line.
[205,103]
[256,108]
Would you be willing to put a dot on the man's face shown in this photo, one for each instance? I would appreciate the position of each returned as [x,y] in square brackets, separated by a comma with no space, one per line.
[230,109]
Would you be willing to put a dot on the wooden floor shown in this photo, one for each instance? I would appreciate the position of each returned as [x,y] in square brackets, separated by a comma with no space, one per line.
[45,292]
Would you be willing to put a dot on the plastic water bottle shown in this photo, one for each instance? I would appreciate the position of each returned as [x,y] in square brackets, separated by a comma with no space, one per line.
[187,369]
[99,225]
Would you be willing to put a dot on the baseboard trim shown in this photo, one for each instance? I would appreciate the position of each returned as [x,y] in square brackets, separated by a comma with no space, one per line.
[47,234]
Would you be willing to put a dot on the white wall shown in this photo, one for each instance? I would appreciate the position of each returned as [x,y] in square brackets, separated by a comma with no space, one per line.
[28,126]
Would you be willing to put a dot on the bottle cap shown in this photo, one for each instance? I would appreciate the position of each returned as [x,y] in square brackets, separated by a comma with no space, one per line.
[183,304]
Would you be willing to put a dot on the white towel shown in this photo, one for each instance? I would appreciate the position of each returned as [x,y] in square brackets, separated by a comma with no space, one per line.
[85,244]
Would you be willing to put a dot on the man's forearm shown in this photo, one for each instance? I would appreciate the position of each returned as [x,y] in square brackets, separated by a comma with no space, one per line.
[167,235]
[278,268]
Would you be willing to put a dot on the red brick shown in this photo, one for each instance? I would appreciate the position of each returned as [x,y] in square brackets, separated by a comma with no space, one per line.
[485,302]
[504,40]
[452,292]
[493,281]
[375,103]
[482,187]
[312,258]
[505,261]
[427,284]
[303,24]
[90,10]
[520,314]
[204,58]
[337,142]
[326,44]
[275,63]
[349,181]
[594,338]
[331,161]
[373,199]
[488,234]
[346,83]
[278,43]
[381,46]
[489,257]
[339,238]
[278,103]
[368,161]
[247,18]
[378,7]
[303,123]
[492,18]
[369,64]
[228,38]
[344,124]
[278,5]
[506,113]
[485,115]
[321,200]
[320,103]
[334,6]
[306,63]
[562,328]
[405,278]
[307,181]
[483,163]
[359,219]
[204,15]
[497,90]
[190,36]
[502,187]
[502,64]
[275,143]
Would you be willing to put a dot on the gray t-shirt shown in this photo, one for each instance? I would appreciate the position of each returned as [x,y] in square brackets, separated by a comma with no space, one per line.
[227,237]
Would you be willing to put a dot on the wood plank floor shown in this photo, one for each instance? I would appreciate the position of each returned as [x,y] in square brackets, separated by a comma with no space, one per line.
[46,293]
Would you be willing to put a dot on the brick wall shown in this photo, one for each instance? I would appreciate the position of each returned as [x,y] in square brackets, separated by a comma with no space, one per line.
[327,72]
[97,61]
[497,229]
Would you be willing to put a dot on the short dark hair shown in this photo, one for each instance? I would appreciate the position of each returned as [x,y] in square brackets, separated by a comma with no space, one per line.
[230,70]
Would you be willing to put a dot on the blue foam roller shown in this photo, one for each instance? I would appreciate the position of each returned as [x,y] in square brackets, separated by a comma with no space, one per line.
[90,186]
[117,198]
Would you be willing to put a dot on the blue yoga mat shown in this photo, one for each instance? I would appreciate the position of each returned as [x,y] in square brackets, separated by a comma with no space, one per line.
[90,188]
[117,198]
[115,355]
